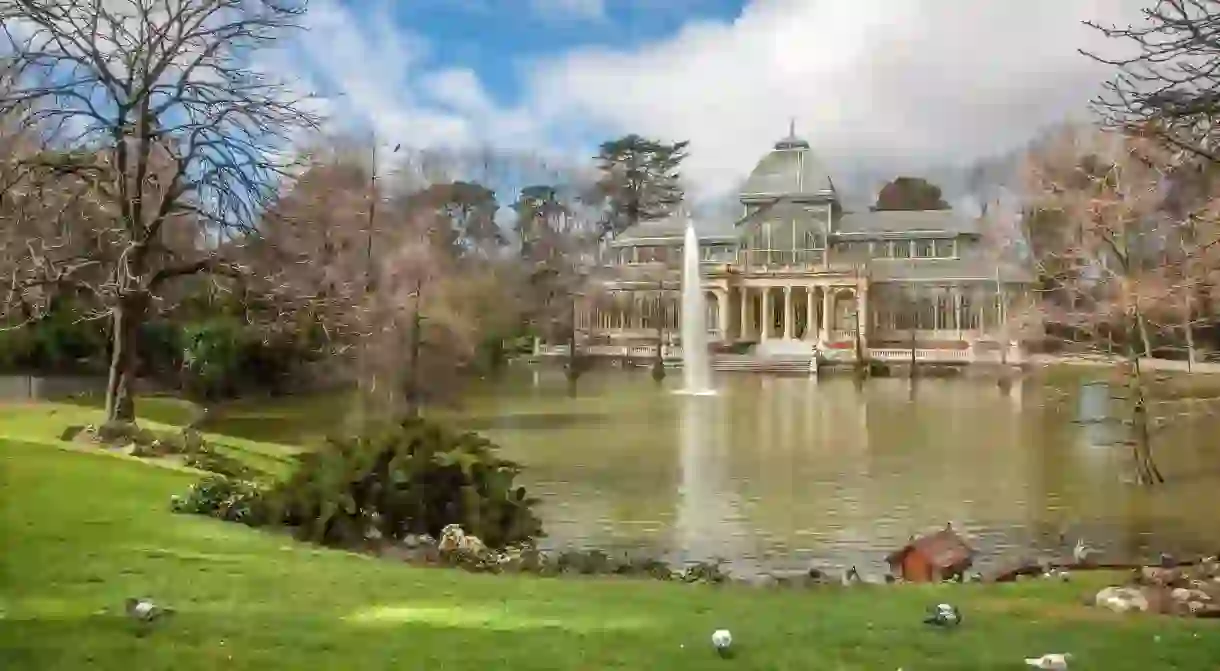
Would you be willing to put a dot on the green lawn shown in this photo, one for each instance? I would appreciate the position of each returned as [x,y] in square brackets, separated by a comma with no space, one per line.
[83,530]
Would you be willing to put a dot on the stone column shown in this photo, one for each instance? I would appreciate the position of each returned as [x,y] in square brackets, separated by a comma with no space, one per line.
[743,295]
[810,327]
[827,296]
[764,329]
[788,313]
[864,318]
[722,314]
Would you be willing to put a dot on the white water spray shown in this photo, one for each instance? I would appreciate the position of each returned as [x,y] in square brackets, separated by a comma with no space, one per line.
[696,371]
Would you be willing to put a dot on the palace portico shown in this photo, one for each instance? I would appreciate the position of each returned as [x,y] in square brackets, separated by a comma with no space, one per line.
[799,275]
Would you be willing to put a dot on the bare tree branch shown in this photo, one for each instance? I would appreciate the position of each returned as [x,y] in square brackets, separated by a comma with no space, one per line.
[154,114]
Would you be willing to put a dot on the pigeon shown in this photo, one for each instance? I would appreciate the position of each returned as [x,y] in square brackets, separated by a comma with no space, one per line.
[943,615]
[144,610]
[1057,574]
[721,640]
[1052,662]
[1082,553]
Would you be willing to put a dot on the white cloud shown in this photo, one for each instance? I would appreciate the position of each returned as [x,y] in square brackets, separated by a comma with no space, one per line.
[379,75]
[459,89]
[889,84]
[900,82]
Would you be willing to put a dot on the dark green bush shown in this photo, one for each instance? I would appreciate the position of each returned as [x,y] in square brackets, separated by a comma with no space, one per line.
[412,478]
[119,433]
[224,498]
[206,458]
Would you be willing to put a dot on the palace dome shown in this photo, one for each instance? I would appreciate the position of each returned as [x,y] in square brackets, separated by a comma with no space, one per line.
[791,170]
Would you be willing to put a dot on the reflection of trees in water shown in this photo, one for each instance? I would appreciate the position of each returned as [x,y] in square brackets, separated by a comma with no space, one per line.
[535,421]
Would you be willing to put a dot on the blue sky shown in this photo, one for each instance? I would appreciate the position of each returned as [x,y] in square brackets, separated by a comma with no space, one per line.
[879,86]
[499,38]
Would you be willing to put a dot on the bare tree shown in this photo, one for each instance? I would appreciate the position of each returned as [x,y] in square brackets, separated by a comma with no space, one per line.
[1110,191]
[373,262]
[1007,253]
[156,106]
[558,244]
[1170,76]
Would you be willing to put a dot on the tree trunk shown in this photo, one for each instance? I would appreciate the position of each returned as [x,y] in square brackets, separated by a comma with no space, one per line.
[125,321]
[658,363]
[573,370]
[1141,440]
[1189,333]
[1143,333]
[912,372]
[412,393]
[862,365]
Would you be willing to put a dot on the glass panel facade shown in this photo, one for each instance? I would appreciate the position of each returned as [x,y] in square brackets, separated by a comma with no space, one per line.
[785,242]
[944,307]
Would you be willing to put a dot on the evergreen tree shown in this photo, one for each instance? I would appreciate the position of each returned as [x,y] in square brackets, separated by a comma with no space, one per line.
[910,193]
[640,181]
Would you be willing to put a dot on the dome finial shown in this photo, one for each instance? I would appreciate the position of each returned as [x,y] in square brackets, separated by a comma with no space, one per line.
[792,141]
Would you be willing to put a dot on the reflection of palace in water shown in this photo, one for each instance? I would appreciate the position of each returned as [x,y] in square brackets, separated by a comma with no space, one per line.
[798,270]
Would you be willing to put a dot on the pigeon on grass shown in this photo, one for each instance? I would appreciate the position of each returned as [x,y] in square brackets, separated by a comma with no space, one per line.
[145,613]
[943,615]
[722,640]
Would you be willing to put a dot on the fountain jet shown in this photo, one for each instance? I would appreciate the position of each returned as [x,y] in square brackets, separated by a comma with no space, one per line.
[696,371]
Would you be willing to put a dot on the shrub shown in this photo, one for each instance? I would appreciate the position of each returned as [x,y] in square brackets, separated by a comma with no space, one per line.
[206,458]
[224,498]
[122,434]
[416,477]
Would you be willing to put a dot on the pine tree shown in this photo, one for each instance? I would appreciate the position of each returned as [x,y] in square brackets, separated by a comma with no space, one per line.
[640,181]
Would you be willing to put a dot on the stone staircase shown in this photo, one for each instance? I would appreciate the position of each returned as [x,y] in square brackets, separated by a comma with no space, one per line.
[793,364]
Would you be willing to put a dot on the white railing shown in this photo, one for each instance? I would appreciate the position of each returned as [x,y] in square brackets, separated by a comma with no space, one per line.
[921,354]
[894,355]
[552,350]
[631,351]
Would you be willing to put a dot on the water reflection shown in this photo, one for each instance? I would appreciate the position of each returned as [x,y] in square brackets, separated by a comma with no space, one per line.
[777,472]
[708,524]
[1096,411]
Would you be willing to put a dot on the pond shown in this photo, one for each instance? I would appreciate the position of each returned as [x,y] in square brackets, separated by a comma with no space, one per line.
[775,474]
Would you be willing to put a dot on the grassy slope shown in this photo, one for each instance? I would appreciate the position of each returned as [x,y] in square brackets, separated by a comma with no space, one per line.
[84,530]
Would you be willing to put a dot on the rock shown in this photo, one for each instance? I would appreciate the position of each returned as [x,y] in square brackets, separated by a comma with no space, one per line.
[1161,577]
[765,580]
[473,545]
[817,575]
[1122,599]
[86,435]
[452,538]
